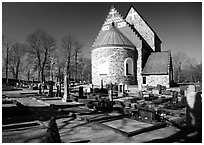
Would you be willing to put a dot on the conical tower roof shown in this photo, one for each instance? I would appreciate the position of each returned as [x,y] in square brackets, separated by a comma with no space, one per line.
[113,37]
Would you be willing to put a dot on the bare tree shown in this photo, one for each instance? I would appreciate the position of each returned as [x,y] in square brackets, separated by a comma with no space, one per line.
[28,66]
[186,69]
[15,55]
[68,48]
[179,60]
[84,69]
[40,44]
[6,43]
[76,53]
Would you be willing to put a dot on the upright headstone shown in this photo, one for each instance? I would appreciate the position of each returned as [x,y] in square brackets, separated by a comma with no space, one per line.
[92,87]
[57,94]
[194,108]
[101,84]
[111,92]
[88,90]
[66,92]
[120,89]
[50,89]
[40,89]
[175,97]
[81,92]
[125,87]
[110,95]
[43,87]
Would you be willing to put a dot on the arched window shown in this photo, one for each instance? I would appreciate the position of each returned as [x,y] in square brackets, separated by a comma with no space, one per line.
[103,66]
[128,64]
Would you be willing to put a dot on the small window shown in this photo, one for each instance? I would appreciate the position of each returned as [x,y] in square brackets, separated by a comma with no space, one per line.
[144,80]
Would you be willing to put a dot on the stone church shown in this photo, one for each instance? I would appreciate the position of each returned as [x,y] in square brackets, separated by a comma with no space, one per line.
[128,51]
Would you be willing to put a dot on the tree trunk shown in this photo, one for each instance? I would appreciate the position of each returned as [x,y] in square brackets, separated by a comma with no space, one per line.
[17,70]
[38,74]
[7,49]
[28,74]
[42,75]
[76,68]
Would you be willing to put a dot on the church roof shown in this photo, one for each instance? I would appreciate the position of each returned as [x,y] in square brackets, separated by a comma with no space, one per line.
[157,63]
[131,7]
[112,37]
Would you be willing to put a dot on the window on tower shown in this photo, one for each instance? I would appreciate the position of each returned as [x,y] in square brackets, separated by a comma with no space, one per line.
[103,67]
[128,66]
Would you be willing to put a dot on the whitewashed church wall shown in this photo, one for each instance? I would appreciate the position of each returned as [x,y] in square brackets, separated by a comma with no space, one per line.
[154,80]
[115,57]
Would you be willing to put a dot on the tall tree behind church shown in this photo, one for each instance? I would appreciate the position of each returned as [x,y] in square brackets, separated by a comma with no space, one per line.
[179,60]
[40,44]
[186,69]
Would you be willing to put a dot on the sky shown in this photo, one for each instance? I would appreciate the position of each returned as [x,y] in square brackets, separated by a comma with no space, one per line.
[178,25]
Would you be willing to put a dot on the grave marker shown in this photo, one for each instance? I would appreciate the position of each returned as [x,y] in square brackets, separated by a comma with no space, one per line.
[194,108]
[66,87]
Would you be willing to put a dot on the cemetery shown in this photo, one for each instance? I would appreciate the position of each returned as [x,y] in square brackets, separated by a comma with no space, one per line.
[125,88]
[127,112]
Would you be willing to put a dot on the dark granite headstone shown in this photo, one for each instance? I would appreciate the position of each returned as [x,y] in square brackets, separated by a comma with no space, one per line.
[81,92]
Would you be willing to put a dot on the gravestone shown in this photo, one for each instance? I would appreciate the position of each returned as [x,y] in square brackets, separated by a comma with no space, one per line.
[58,94]
[39,87]
[175,97]
[120,90]
[193,109]
[125,87]
[155,91]
[88,90]
[66,92]
[50,89]
[81,92]
[110,95]
[101,84]
[43,87]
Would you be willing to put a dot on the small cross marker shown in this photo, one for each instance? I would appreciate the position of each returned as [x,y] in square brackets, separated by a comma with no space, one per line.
[112,12]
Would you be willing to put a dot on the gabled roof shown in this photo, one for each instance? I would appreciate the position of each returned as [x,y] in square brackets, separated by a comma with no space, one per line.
[112,37]
[132,7]
[157,63]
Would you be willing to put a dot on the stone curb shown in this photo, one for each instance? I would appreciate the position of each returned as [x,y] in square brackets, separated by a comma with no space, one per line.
[21,125]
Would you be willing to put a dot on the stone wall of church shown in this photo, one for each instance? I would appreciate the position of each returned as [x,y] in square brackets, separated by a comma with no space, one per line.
[138,43]
[140,25]
[115,57]
[154,80]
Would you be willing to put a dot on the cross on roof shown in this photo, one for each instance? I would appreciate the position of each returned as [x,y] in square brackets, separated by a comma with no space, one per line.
[112,12]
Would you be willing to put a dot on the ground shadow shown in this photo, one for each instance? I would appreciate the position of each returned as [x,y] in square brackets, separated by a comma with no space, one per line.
[183,136]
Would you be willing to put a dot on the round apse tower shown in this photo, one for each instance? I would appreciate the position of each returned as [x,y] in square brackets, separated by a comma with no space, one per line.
[113,58]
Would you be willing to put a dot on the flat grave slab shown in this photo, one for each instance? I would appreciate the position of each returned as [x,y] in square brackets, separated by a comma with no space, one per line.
[101,117]
[29,102]
[130,127]
[59,102]
[127,125]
